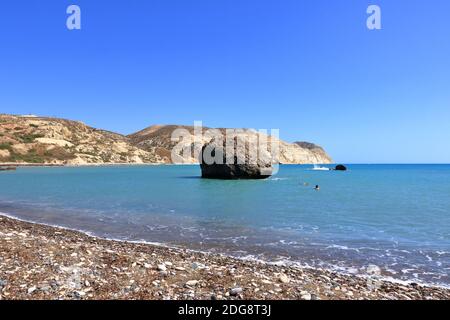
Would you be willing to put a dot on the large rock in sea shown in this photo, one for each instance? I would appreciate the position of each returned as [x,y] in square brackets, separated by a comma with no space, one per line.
[242,161]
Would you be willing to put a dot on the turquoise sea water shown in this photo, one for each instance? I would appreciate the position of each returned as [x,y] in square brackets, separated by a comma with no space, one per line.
[394,216]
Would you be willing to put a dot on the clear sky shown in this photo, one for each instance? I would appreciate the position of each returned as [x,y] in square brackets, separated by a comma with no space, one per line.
[310,68]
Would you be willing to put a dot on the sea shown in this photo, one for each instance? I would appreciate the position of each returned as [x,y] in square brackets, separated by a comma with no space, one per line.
[393,220]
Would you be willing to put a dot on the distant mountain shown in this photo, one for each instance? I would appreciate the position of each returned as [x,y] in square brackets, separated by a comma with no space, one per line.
[44,140]
[157,139]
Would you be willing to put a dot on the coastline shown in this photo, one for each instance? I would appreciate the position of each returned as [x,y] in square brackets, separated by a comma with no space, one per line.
[50,165]
[47,262]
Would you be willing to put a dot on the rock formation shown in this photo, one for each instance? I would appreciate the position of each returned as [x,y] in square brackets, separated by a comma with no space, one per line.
[239,160]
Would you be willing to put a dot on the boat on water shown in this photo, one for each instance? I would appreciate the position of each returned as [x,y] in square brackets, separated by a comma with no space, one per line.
[319,168]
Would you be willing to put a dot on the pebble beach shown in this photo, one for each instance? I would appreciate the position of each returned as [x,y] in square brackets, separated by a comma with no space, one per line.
[44,262]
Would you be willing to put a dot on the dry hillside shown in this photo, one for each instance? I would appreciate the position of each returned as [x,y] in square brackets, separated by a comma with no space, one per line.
[29,139]
[157,139]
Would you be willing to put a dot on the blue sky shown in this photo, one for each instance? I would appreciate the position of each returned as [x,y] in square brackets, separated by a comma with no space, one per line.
[310,68]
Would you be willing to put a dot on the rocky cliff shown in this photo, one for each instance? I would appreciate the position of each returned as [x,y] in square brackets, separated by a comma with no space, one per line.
[44,140]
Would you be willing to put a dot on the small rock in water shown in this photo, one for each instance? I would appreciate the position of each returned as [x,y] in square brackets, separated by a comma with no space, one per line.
[235,291]
[373,269]
[340,167]
[168,263]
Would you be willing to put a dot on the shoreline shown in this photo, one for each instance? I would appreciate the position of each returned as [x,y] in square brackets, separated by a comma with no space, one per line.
[49,262]
[281,264]
[50,165]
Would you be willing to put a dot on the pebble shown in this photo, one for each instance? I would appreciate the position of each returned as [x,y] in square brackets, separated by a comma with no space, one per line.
[162,267]
[45,288]
[192,283]
[102,275]
[284,278]
[306,296]
[197,265]
[81,293]
[235,291]
[31,290]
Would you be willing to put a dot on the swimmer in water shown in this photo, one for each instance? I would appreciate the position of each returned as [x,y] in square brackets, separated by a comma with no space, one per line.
[317,187]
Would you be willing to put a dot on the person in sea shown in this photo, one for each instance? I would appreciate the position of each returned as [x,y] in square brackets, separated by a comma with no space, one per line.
[317,187]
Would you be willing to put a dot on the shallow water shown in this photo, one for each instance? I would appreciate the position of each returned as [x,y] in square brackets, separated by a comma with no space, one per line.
[394,216]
